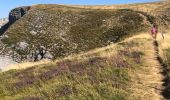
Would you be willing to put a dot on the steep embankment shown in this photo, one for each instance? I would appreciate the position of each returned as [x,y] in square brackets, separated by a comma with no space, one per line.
[6,53]
[65,30]
[164,59]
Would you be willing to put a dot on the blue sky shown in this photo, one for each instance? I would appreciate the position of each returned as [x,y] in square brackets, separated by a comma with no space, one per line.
[7,5]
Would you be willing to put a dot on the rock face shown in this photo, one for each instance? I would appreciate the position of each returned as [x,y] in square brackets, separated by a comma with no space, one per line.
[17,13]
[14,15]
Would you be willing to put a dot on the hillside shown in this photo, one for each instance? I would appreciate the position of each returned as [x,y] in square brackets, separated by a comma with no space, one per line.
[98,52]
[127,70]
[65,30]
[102,73]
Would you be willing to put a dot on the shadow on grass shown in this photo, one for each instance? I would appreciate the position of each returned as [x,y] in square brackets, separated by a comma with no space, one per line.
[165,73]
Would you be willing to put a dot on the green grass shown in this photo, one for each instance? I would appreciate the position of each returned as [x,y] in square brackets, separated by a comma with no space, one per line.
[94,78]
[64,30]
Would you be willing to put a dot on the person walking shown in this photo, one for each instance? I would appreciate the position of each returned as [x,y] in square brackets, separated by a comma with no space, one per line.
[154,31]
[42,51]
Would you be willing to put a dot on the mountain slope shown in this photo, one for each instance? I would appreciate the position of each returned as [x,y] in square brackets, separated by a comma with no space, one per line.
[65,30]
[106,73]
[127,70]
[111,54]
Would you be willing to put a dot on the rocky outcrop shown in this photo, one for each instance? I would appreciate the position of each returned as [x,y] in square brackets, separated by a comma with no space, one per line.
[14,15]
[17,13]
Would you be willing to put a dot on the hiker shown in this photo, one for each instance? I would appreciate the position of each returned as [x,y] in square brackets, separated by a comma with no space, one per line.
[42,52]
[39,53]
[154,31]
[36,56]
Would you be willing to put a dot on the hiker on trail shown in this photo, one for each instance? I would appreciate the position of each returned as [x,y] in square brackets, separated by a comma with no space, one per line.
[154,31]
[38,53]
[42,51]
[36,56]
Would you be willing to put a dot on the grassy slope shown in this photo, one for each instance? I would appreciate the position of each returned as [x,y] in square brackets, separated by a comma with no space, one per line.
[105,74]
[66,30]
[146,7]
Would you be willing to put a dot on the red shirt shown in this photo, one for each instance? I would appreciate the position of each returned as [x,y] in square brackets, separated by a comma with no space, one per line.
[154,30]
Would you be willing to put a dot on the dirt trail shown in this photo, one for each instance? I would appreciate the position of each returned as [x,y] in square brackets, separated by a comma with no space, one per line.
[148,81]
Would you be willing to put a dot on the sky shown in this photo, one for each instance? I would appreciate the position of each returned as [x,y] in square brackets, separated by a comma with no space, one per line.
[7,5]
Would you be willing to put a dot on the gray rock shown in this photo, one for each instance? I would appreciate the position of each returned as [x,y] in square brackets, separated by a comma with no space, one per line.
[23,45]
[17,13]
[48,55]
[33,32]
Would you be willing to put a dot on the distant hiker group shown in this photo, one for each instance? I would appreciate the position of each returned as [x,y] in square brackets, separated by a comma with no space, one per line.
[39,53]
